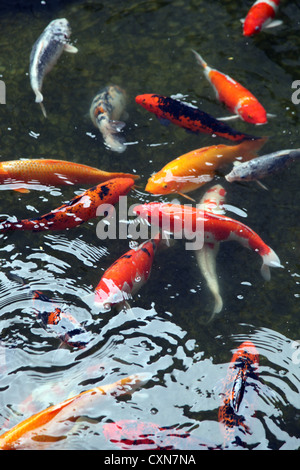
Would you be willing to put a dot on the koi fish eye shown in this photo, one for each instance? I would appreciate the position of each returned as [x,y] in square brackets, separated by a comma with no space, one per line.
[165,186]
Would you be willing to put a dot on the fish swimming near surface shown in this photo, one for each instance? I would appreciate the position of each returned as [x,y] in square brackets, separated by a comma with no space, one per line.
[78,210]
[185,221]
[122,280]
[262,166]
[242,370]
[20,174]
[106,109]
[193,169]
[45,53]
[260,17]
[51,425]
[189,117]
[235,96]
[213,201]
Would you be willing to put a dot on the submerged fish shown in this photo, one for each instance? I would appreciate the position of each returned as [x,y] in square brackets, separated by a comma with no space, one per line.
[126,275]
[51,424]
[243,366]
[189,117]
[186,220]
[213,201]
[106,109]
[193,169]
[260,17]
[263,166]
[77,211]
[237,98]
[45,53]
[21,173]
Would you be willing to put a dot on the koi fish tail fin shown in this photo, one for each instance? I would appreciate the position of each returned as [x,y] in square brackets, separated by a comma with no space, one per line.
[249,148]
[269,260]
[200,59]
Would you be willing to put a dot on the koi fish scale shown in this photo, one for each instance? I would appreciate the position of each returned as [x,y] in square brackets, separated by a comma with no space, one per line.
[189,117]
[77,211]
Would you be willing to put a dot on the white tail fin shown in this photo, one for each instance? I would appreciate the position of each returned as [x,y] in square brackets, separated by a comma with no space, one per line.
[200,59]
[269,260]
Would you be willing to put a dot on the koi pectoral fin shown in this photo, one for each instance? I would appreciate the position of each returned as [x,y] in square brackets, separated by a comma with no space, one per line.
[273,24]
[229,118]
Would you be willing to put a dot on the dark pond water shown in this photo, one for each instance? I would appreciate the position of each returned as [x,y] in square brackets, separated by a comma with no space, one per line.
[145,47]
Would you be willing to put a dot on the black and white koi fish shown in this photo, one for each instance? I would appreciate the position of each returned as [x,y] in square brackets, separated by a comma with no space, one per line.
[45,53]
[106,109]
[263,166]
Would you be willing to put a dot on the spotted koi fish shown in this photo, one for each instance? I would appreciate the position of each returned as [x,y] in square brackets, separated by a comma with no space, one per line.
[243,367]
[106,109]
[79,210]
[51,424]
[194,169]
[126,275]
[236,97]
[186,220]
[260,17]
[63,325]
[20,174]
[45,53]
[189,117]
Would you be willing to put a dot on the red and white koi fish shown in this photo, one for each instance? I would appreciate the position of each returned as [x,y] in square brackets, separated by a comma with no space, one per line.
[260,17]
[237,98]
[77,211]
[243,365]
[126,275]
[213,201]
[50,425]
[106,109]
[187,220]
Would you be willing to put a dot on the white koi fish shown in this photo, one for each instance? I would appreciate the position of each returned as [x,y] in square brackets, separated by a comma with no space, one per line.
[45,53]
[213,201]
[106,109]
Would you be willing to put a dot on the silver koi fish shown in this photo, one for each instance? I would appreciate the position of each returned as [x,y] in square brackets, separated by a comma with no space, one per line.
[213,200]
[45,53]
[106,109]
[263,166]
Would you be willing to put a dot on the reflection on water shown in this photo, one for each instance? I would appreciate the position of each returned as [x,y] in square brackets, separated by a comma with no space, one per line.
[145,48]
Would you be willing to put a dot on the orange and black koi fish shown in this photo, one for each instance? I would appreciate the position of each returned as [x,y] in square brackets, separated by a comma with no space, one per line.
[189,117]
[61,324]
[50,425]
[20,174]
[260,17]
[79,210]
[243,366]
[126,275]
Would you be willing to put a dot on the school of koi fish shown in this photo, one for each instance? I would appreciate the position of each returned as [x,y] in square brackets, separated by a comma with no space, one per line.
[125,277]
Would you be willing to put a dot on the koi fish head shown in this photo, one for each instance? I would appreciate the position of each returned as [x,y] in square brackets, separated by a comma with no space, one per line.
[108,294]
[162,183]
[253,113]
[147,100]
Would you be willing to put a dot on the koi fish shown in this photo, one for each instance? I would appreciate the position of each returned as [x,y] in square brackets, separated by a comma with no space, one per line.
[126,275]
[243,366]
[260,17]
[45,53]
[213,201]
[186,221]
[51,424]
[106,109]
[263,166]
[193,169]
[237,98]
[20,173]
[77,211]
[61,324]
[189,117]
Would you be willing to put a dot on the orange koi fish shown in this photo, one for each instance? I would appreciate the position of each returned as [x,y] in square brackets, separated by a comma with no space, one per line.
[61,324]
[51,424]
[236,97]
[193,169]
[77,211]
[189,117]
[20,173]
[260,17]
[186,220]
[126,275]
[243,366]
